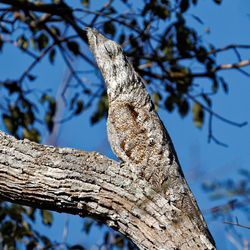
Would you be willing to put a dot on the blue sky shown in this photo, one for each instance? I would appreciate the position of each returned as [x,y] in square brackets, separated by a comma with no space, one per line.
[228,23]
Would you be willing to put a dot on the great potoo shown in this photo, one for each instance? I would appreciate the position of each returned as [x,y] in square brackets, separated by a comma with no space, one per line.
[136,133]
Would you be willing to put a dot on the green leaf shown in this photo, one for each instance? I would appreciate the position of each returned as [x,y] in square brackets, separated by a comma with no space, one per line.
[28,118]
[51,101]
[9,123]
[102,109]
[73,47]
[109,28]
[47,217]
[85,3]
[55,30]
[45,98]
[156,99]
[119,241]
[198,115]
[31,134]
[31,213]
[161,11]
[22,42]
[46,241]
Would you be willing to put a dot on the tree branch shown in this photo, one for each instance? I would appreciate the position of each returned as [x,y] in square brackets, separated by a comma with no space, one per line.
[61,9]
[89,184]
[236,224]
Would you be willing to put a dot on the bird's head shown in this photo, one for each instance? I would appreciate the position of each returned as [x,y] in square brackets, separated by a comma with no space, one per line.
[110,58]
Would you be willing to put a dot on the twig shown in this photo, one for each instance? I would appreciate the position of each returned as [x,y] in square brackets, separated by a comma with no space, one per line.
[35,62]
[228,47]
[240,64]
[210,111]
[236,224]
[210,133]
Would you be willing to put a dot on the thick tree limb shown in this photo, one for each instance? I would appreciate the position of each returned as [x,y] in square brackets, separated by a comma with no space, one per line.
[89,184]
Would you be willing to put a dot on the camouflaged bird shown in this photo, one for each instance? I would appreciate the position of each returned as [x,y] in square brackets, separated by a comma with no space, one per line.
[138,137]
[135,131]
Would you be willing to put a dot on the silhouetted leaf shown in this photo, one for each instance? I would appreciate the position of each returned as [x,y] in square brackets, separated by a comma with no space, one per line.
[183,107]
[1,43]
[184,5]
[31,245]
[73,47]
[76,247]
[201,54]
[31,77]
[12,86]
[79,107]
[102,109]
[87,226]
[122,38]
[7,228]
[49,121]
[215,85]
[42,41]
[170,103]
[106,238]
[52,54]
[218,1]
[109,28]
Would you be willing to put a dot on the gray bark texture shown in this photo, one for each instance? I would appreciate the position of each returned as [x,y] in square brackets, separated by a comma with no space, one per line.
[154,214]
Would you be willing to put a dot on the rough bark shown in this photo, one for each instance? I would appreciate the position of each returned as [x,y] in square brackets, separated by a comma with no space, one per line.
[89,184]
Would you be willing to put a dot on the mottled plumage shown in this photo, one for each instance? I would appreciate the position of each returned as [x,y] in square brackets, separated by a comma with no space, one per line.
[137,135]
[135,131]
